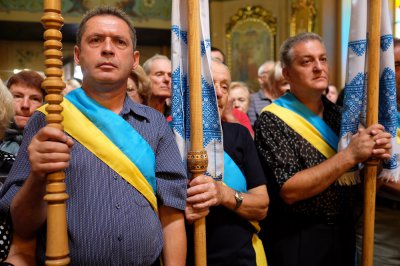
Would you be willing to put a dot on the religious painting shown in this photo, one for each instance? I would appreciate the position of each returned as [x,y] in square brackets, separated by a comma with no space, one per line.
[251,41]
[137,9]
[302,19]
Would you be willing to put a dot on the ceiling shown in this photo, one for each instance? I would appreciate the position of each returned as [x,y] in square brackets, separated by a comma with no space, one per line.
[33,31]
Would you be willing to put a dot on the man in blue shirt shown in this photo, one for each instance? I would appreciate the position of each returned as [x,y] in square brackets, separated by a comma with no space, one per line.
[263,97]
[111,219]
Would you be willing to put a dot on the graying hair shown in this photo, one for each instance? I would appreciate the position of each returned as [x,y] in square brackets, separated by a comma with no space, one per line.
[240,84]
[262,67]
[147,65]
[287,46]
[6,108]
[218,61]
[105,11]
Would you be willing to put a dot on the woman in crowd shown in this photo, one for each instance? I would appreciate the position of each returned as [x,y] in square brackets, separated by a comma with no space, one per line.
[6,116]
[22,252]
[138,86]
[239,93]
[239,101]
[279,84]
[28,95]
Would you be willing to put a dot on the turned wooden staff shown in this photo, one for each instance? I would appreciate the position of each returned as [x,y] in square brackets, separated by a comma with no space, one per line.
[197,156]
[57,239]
[372,118]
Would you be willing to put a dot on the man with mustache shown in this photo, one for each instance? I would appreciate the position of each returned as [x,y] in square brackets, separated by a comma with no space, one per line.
[28,95]
[124,174]
[310,216]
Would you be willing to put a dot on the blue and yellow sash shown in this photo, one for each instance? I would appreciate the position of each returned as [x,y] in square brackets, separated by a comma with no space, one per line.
[398,128]
[234,178]
[306,123]
[112,140]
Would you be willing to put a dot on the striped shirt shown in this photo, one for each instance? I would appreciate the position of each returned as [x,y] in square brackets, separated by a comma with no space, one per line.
[109,221]
[258,102]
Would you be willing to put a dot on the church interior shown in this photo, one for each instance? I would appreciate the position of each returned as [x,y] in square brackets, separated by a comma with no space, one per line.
[249,32]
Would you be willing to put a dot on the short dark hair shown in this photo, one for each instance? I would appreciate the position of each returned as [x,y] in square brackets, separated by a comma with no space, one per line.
[27,78]
[396,42]
[104,11]
[286,48]
[215,49]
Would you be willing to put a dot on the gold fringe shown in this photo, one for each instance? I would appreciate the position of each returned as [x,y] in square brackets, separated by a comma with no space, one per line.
[349,179]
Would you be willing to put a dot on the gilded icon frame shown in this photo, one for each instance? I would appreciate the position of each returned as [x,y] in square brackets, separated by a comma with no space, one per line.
[302,18]
[251,40]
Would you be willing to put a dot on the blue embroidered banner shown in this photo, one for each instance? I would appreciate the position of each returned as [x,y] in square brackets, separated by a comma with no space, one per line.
[355,97]
[212,134]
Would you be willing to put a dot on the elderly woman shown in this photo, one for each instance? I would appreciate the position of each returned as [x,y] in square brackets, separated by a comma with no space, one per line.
[239,93]
[6,115]
[279,85]
[22,252]
[238,105]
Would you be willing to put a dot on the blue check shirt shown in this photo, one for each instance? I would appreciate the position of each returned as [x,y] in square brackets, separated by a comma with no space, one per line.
[109,221]
[258,102]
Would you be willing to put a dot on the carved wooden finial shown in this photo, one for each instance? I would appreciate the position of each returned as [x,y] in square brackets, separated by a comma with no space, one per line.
[57,251]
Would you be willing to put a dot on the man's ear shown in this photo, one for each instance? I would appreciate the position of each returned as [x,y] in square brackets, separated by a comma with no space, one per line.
[260,79]
[136,58]
[286,73]
[77,52]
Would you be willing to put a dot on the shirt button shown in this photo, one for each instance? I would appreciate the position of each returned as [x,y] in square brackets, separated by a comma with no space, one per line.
[119,238]
[117,206]
[115,177]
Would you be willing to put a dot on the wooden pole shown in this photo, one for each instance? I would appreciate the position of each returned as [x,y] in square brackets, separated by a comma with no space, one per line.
[197,156]
[57,239]
[372,118]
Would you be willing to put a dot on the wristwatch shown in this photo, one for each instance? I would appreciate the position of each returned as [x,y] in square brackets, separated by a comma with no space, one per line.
[238,198]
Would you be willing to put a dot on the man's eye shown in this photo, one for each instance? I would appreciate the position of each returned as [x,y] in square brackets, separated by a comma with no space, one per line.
[39,100]
[121,43]
[95,40]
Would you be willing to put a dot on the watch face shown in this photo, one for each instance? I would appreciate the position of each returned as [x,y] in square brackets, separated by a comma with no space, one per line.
[238,198]
[239,195]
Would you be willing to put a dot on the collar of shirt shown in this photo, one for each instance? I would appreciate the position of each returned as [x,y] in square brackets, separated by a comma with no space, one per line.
[262,95]
[135,108]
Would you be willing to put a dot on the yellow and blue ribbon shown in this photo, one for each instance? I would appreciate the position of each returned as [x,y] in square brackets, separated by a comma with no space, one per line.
[306,123]
[106,135]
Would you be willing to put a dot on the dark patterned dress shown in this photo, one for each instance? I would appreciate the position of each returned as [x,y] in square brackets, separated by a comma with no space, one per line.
[308,231]
[6,161]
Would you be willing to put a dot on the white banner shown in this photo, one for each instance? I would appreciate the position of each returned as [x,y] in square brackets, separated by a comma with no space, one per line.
[355,97]
[212,133]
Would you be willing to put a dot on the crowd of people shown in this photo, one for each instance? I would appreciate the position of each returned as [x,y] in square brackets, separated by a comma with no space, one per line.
[131,202]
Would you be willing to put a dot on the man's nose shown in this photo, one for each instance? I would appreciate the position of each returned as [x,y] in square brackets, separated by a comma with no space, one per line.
[317,65]
[218,90]
[26,103]
[167,78]
[108,47]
